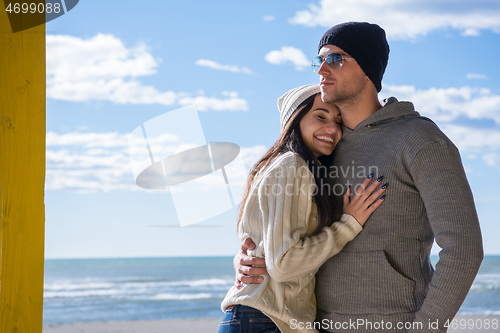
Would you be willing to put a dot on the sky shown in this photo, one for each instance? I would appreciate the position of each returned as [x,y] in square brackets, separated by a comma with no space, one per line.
[112,66]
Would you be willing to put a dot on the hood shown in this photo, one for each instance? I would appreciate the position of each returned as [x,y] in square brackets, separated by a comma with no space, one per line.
[391,110]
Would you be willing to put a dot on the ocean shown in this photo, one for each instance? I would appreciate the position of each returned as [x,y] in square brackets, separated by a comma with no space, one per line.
[86,290]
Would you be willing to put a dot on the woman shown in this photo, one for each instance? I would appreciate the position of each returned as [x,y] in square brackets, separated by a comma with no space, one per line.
[287,212]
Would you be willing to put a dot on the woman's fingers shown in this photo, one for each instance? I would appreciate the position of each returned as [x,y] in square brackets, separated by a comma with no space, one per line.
[364,190]
[347,194]
[372,187]
[361,188]
[374,198]
[367,198]
[247,244]
[375,205]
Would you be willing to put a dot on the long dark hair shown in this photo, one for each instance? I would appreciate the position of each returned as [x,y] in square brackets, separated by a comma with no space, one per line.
[328,207]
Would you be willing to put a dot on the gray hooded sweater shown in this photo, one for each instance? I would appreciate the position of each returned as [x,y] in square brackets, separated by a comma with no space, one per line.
[383,280]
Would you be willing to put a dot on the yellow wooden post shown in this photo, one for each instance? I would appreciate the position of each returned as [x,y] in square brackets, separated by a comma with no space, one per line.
[22,176]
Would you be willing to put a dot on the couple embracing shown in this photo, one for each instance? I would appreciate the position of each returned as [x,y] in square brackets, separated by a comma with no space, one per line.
[309,262]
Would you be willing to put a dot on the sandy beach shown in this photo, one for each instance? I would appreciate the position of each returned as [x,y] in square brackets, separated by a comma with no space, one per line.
[471,324]
[141,326]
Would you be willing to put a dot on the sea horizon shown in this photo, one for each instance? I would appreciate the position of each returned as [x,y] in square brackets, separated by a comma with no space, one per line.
[182,287]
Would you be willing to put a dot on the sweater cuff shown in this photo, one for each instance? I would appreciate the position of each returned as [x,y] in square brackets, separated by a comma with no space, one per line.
[350,221]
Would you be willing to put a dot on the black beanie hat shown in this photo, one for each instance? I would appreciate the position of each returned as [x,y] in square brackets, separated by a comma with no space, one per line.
[363,41]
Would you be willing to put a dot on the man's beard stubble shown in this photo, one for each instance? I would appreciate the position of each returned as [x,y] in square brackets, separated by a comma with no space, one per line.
[344,96]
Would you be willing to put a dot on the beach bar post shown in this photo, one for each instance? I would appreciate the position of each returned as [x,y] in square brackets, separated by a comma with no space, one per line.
[22,176]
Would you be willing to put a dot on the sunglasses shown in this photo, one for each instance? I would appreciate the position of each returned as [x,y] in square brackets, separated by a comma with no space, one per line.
[334,60]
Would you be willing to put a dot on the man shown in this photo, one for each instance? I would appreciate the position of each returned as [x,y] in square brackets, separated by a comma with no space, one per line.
[383,281]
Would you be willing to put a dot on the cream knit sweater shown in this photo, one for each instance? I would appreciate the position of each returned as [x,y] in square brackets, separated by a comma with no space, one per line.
[280,216]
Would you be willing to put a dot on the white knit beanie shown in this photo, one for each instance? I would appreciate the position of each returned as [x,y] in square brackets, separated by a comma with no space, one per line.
[290,101]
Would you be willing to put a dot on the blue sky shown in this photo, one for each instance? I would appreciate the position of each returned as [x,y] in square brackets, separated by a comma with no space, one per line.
[113,65]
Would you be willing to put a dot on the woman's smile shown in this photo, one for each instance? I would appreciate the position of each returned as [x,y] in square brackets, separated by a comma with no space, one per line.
[325,139]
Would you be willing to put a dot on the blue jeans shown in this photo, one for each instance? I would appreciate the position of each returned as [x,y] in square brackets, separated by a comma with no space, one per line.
[244,319]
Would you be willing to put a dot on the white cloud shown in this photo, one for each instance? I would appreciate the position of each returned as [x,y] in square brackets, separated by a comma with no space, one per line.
[476,76]
[232,94]
[269,18]
[108,140]
[471,32]
[99,162]
[447,104]
[449,107]
[85,139]
[288,54]
[88,170]
[217,66]
[473,140]
[89,162]
[233,103]
[102,68]
[403,19]
[492,159]
[86,181]
[252,154]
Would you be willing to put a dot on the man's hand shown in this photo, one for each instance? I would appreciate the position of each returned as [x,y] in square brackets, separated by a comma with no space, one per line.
[248,268]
